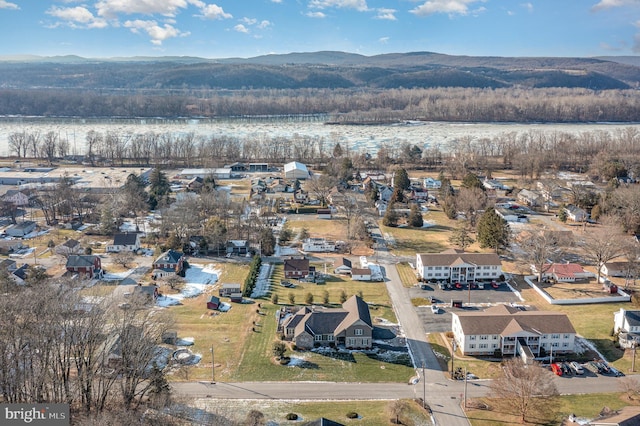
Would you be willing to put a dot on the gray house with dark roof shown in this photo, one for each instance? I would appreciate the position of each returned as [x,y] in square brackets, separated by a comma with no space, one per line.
[350,326]
[512,332]
[127,241]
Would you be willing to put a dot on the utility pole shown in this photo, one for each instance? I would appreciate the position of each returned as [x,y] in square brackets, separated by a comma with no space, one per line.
[424,388]
[633,361]
[213,364]
[453,355]
[465,389]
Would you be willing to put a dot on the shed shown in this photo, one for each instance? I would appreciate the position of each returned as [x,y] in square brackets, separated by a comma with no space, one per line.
[213,303]
[361,274]
[236,297]
[21,229]
[228,289]
[324,213]
[295,170]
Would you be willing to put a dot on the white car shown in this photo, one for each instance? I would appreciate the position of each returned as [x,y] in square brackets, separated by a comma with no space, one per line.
[435,309]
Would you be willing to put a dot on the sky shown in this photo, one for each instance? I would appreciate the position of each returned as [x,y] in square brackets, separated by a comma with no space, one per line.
[248,28]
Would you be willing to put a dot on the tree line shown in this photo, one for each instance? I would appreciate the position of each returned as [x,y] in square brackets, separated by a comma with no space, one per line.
[455,104]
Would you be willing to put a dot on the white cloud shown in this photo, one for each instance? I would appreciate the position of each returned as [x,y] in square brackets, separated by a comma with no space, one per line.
[157,33]
[384,40]
[4,4]
[276,1]
[112,8]
[388,14]
[360,5]
[249,21]
[213,11]
[608,4]
[316,15]
[76,17]
[451,7]
[528,7]
[241,29]
[264,24]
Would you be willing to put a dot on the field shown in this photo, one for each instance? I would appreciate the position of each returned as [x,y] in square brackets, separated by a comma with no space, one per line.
[243,337]
[370,413]
[583,406]
[574,290]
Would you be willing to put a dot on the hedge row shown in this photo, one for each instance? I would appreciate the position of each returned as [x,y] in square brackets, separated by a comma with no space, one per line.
[254,271]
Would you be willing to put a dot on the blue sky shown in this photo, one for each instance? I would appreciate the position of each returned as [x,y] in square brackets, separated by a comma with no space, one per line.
[246,28]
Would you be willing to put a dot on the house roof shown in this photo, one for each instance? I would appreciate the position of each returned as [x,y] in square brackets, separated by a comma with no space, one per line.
[296,264]
[360,271]
[80,260]
[231,286]
[564,270]
[617,266]
[7,263]
[358,310]
[294,165]
[342,261]
[456,257]
[71,243]
[125,239]
[214,299]
[507,321]
[145,289]
[169,256]
[21,272]
[633,318]
[322,322]
[322,422]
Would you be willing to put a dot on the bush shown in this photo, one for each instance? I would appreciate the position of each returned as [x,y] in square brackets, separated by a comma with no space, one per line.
[352,415]
[291,416]
[284,360]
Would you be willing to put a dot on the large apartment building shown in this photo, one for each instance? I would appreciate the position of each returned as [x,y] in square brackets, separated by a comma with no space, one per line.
[458,266]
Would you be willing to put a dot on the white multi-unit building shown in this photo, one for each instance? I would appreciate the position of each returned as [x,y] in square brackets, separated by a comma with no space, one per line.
[458,266]
[510,331]
[318,245]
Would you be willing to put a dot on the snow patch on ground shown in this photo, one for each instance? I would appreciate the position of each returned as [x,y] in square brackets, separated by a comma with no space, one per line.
[185,341]
[295,361]
[428,224]
[116,276]
[197,279]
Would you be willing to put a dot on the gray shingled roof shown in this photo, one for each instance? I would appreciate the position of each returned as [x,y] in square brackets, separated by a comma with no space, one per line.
[125,239]
[456,258]
[633,318]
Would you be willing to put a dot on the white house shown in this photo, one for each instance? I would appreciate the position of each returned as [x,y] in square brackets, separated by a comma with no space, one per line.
[512,331]
[15,197]
[342,265]
[222,173]
[69,247]
[126,241]
[361,274]
[431,183]
[563,272]
[295,170]
[318,245]
[617,269]
[530,198]
[627,325]
[458,266]
[575,213]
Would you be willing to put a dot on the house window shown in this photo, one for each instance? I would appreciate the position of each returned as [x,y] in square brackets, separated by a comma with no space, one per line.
[494,337]
[318,337]
[350,341]
[494,346]
[484,337]
[358,332]
[566,336]
[555,336]
[472,346]
[483,346]
[472,337]
[565,345]
[555,344]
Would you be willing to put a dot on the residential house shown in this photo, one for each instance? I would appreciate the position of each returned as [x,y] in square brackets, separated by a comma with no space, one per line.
[458,266]
[213,303]
[385,193]
[361,274]
[237,247]
[626,324]
[335,196]
[8,265]
[617,269]
[15,197]
[10,246]
[350,326]
[530,198]
[21,229]
[170,262]
[300,196]
[86,265]
[342,265]
[511,215]
[19,275]
[419,194]
[236,167]
[431,183]
[563,272]
[318,245]
[295,170]
[576,214]
[278,185]
[146,293]
[509,331]
[69,247]
[127,241]
[296,267]
[195,184]
[626,416]
[495,185]
[228,289]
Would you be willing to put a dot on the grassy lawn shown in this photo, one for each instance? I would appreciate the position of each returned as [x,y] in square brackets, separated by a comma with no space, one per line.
[481,368]
[583,406]
[334,229]
[370,413]
[407,274]
[243,338]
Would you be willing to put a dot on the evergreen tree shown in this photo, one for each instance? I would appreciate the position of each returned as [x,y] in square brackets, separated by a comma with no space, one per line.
[267,241]
[308,298]
[493,231]
[472,181]
[461,237]
[107,223]
[343,296]
[337,151]
[562,214]
[415,217]
[158,188]
[397,196]
[390,217]
[401,180]
[160,390]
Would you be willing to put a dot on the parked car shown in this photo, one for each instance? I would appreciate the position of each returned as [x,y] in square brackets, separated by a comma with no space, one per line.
[442,286]
[593,367]
[616,372]
[459,286]
[435,309]
[432,299]
[473,285]
[577,368]
[603,367]
[557,370]
[494,284]
[566,369]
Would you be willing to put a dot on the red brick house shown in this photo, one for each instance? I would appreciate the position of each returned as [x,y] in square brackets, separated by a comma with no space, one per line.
[168,263]
[297,268]
[87,266]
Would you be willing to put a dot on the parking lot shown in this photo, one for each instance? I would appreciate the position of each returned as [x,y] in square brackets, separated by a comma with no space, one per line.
[476,299]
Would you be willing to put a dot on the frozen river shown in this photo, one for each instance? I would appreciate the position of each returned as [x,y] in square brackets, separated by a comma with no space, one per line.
[357,137]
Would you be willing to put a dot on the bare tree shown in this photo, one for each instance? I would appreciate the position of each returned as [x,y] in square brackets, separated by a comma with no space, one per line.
[540,247]
[524,388]
[602,244]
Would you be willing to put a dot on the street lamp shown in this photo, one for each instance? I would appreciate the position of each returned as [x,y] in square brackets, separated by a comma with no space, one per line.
[213,372]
